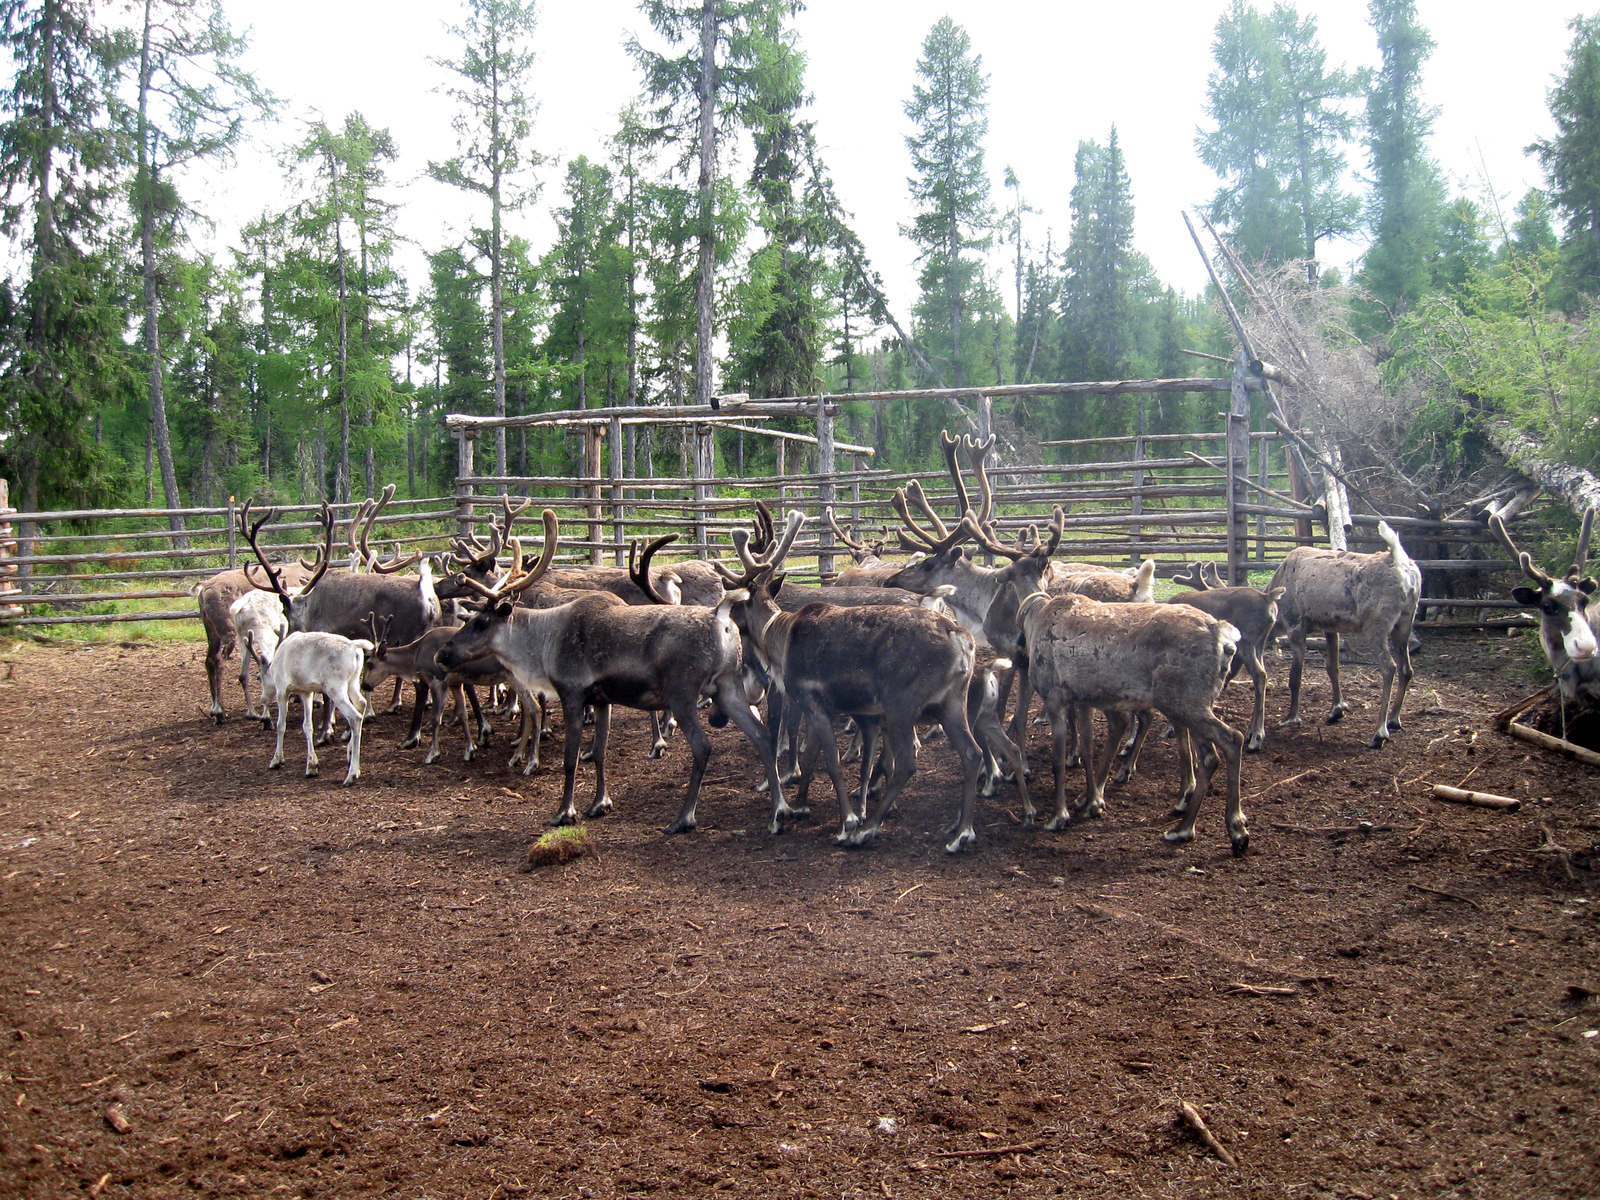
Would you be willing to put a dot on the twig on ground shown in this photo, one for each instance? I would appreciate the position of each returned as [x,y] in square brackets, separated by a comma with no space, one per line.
[1446,895]
[992,1151]
[1191,1117]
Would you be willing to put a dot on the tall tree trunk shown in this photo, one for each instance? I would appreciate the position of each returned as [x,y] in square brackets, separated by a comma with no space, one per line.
[705,279]
[145,188]
[341,491]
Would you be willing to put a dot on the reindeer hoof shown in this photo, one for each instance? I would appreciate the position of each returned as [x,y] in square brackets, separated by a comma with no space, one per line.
[349,779]
[311,772]
[682,825]
[600,807]
[1254,743]
[1057,823]
[1377,741]
[565,817]
[586,756]
[1121,777]
[1178,837]
[655,751]
[1338,713]
[1241,843]
[964,837]
[1292,721]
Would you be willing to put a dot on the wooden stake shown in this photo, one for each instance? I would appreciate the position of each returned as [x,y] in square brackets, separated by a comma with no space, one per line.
[1191,1116]
[1503,718]
[1480,799]
[1560,745]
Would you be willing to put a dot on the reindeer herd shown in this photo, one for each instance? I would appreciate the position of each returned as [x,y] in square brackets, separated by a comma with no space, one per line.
[888,647]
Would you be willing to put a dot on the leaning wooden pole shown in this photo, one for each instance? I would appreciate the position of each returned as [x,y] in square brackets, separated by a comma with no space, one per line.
[1238,464]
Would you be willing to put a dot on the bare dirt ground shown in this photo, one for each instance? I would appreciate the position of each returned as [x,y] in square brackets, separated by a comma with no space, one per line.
[289,987]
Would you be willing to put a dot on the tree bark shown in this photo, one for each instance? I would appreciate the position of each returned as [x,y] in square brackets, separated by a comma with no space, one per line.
[147,264]
[707,235]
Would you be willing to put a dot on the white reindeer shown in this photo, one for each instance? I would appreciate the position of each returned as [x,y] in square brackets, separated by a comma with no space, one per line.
[305,664]
[259,624]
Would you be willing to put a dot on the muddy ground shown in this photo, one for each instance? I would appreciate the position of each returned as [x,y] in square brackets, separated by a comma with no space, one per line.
[282,986]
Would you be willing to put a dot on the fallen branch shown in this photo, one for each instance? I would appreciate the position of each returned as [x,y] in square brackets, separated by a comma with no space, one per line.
[1191,1117]
[1446,895]
[1478,799]
[1560,745]
[1250,989]
[1503,718]
[992,1151]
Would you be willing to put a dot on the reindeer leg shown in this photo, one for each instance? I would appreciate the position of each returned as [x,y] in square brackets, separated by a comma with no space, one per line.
[283,720]
[1339,706]
[216,651]
[867,734]
[1093,801]
[960,737]
[1297,668]
[350,705]
[437,692]
[683,707]
[1214,738]
[898,731]
[244,682]
[305,724]
[1059,732]
[485,730]
[1130,753]
[1258,717]
[394,704]
[658,736]
[602,732]
[731,699]
[414,734]
[461,692]
[1400,647]
[572,718]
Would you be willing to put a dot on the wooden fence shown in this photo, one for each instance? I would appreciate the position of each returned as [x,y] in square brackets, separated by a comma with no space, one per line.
[1220,495]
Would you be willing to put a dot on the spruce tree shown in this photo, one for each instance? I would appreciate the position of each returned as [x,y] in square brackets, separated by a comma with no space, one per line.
[951,189]
[62,357]
[1571,159]
[493,124]
[1407,199]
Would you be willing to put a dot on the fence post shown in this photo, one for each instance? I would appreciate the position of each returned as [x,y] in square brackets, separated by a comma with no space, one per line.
[1136,505]
[825,490]
[616,486]
[855,494]
[592,435]
[1264,469]
[778,468]
[464,443]
[1238,463]
[233,537]
[704,462]
[8,569]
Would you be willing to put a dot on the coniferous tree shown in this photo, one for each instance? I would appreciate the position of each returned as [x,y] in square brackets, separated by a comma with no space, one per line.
[193,103]
[1105,274]
[1571,159]
[62,357]
[728,42]
[495,120]
[1407,196]
[951,189]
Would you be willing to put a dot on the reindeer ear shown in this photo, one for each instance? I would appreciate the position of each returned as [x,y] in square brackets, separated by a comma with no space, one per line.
[1525,596]
[503,607]
[776,582]
[1586,585]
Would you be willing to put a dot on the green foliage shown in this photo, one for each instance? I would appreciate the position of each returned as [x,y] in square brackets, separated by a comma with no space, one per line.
[1571,159]
[1403,211]
[950,186]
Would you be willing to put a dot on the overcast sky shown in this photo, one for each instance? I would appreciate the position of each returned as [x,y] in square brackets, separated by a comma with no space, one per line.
[1057,74]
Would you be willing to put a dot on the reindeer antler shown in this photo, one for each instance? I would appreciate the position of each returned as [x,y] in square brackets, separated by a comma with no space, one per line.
[845,540]
[358,552]
[755,567]
[1525,560]
[516,580]
[1582,557]
[640,572]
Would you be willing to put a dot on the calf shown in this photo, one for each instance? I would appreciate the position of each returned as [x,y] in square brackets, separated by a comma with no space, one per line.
[305,664]
[259,625]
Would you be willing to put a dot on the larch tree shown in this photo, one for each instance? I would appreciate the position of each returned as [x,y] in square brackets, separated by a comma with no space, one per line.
[698,95]
[193,103]
[950,186]
[1407,198]
[62,357]
[1316,124]
[493,125]
[1104,271]
[1571,158]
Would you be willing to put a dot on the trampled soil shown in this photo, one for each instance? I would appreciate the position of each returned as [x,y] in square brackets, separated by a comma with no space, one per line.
[289,987]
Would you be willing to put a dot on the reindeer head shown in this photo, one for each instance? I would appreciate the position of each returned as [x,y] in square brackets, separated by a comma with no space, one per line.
[474,639]
[1563,620]
[293,601]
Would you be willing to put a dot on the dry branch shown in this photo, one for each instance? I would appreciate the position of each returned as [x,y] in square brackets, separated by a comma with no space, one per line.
[1560,745]
[992,1151]
[1478,799]
[1503,718]
[1191,1117]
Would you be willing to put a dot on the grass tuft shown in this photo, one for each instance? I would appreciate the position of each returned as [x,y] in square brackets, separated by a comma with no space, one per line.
[559,845]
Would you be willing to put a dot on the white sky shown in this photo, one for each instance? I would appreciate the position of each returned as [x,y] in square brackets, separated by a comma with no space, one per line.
[1057,74]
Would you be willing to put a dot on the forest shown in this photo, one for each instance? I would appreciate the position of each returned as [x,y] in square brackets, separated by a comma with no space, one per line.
[707,252]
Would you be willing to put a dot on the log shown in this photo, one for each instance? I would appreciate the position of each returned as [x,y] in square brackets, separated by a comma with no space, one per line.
[1479,799]
[1560,745]
[1503,718]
